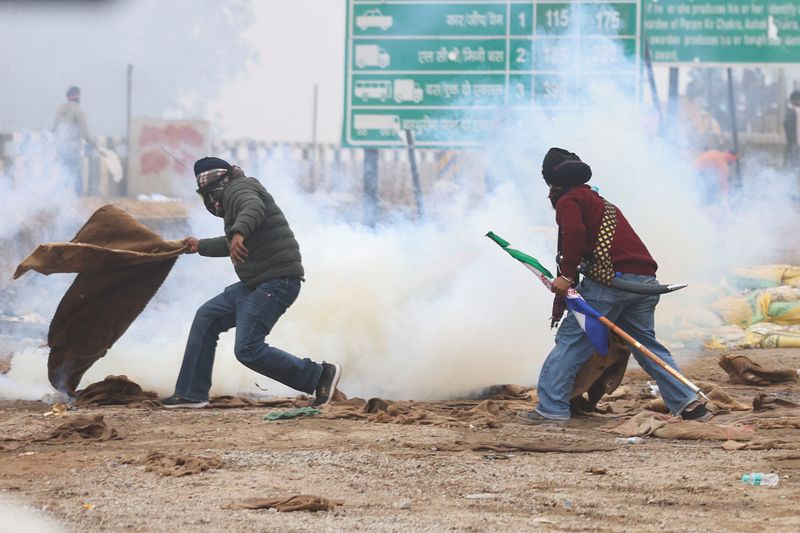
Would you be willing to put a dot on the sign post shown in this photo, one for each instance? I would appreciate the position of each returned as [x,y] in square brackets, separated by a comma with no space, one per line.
[443,68]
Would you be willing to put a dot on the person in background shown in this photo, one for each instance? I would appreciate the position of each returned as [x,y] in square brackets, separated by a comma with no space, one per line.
[713,166]
[791,127]
[266,258]
[70,129]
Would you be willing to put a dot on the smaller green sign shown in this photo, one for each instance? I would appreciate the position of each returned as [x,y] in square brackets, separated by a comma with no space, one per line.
[722,31]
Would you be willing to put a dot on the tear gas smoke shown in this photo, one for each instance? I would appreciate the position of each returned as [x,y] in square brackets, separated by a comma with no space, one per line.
[431,309]
[23,518]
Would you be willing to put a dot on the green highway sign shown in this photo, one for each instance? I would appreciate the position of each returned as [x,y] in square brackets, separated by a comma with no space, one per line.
[729,32]
[443,68]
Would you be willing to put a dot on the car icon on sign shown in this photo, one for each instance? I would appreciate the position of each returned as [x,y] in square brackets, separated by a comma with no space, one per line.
[374,18]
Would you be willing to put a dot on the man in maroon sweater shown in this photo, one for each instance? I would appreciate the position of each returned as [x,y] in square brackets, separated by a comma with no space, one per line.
[594,233]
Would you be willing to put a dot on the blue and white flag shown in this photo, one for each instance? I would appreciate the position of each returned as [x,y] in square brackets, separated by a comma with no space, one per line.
[588,320]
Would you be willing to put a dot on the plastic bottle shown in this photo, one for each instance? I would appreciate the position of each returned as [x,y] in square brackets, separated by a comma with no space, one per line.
[759,479]
[629,440]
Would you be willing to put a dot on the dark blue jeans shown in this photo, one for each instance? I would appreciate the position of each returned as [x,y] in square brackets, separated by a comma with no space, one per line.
[635,314]
[253,313]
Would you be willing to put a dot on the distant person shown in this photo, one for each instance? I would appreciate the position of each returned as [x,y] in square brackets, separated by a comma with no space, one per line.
[714,169]
[791,126]
[266,258]
[70,128]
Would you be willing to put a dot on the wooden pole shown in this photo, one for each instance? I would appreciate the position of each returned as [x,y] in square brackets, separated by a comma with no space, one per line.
[313,169]
[734,129]
[129,98]
[653,90]
[653,357]
[412,161]
[371,159]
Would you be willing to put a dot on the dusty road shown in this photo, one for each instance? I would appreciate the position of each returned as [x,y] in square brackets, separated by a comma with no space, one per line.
[414,477]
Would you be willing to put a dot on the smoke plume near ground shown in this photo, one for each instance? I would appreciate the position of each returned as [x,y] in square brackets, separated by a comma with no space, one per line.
[431,308]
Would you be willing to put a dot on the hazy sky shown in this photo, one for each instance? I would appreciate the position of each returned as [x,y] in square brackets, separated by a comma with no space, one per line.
[247,65]
[250,66]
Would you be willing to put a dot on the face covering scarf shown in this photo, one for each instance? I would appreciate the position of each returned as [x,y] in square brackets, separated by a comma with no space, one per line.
[211,184]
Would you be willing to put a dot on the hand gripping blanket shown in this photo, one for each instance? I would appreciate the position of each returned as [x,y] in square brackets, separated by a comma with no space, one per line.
[120,265]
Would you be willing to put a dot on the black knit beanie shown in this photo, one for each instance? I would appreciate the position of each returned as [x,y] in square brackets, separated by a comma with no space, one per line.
[210,163]
[563,168]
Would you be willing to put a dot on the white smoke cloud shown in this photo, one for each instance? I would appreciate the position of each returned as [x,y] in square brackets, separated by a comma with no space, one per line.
[431,308]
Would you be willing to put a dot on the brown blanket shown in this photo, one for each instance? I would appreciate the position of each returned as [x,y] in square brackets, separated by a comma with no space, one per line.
[744,370]
[299,502]
[120,265]
[599,375]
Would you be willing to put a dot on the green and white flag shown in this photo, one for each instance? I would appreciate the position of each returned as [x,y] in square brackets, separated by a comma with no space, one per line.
[531,263]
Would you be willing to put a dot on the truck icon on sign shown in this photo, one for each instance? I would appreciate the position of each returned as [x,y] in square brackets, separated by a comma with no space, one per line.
[374,18]
[386,124]
[371,55]
[407,91]
[403,90]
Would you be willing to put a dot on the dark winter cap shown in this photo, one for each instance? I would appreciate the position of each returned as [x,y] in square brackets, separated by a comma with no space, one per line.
[73,93]
[210,163]
[561,167]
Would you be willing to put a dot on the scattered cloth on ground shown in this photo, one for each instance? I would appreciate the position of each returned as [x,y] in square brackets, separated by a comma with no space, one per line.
[300,502]
[292,413]
[234,402]
[720,400]
[120,265]
[487,413]
[113,390]
[779,423]
[669,427]
[786,461]
[599,375]
[756,444]
[177,465]
[504,392]
[767,402]
[553,445]
[81,429]
[743,370]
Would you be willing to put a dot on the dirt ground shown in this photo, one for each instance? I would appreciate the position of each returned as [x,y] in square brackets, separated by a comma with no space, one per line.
[394,477]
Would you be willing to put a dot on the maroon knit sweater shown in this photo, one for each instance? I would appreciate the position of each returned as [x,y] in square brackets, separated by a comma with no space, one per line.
[579,214]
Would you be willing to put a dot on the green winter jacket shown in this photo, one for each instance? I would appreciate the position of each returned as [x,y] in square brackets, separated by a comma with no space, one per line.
[273,250]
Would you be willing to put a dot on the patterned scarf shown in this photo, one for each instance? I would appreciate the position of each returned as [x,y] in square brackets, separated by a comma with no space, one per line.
[211,184]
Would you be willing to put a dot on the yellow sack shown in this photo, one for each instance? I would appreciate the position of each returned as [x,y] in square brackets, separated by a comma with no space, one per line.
[758,277]
[743,312]
[771,336]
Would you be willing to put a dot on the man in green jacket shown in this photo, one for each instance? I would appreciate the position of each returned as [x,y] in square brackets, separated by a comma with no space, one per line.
[267,260]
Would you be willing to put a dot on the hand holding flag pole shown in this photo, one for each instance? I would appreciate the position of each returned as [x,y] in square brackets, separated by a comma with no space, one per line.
[595,325]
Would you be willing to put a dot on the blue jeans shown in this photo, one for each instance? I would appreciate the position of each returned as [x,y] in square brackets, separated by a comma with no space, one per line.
[635,314]
[253,313]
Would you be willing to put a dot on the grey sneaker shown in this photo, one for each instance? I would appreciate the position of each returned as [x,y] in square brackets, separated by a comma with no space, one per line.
[177,402]
[326,385]
[532,417]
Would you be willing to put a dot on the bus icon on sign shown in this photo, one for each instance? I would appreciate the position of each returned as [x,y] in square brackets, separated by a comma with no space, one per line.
[373,90]
[374,18]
